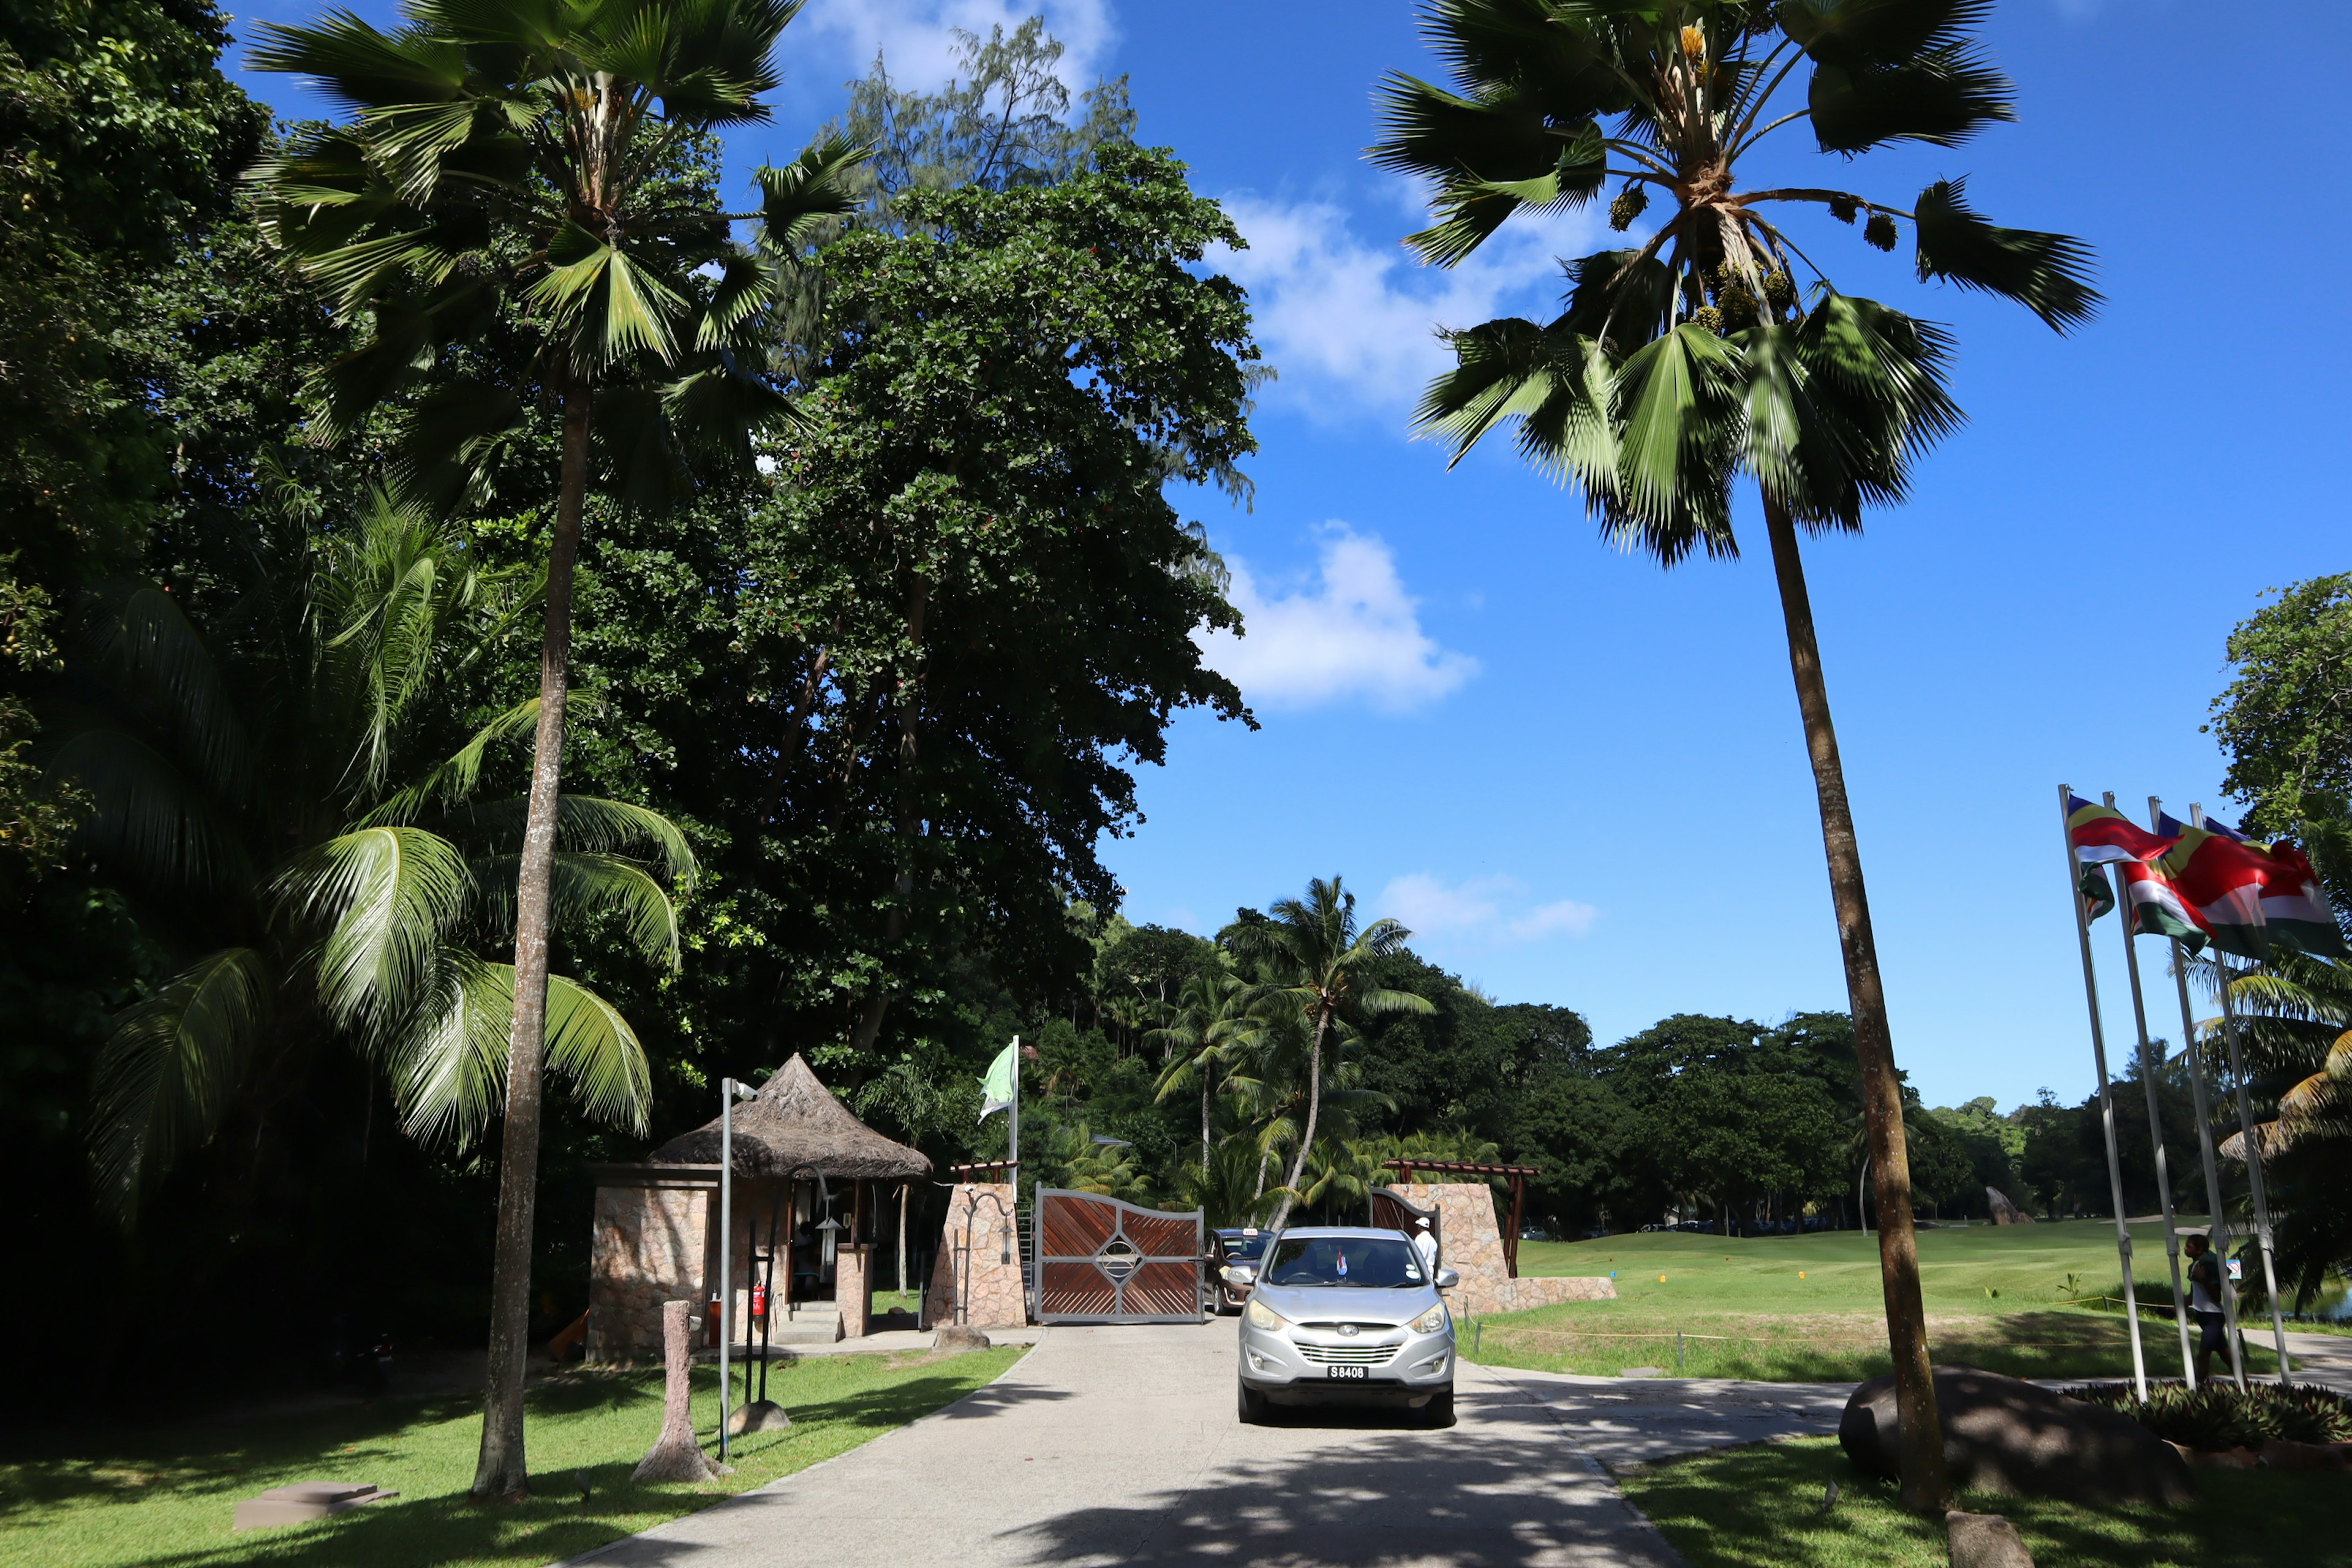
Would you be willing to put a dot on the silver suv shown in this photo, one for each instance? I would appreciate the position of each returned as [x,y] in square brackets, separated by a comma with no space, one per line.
[1345,1316]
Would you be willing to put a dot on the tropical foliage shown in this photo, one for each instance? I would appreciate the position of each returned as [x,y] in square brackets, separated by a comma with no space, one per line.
[275,805]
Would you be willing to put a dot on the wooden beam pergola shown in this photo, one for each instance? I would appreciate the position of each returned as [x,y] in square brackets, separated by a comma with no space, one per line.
[1517,1174]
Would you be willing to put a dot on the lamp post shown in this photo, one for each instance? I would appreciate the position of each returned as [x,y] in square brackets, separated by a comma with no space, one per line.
[730,1091]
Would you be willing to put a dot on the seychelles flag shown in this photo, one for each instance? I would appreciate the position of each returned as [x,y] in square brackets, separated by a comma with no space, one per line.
[2245,898]
[2101,834]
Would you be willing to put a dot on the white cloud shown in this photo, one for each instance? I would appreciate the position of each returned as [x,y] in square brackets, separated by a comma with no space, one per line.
[1352,633]
[1487,911]
[918,36]
[1351,323]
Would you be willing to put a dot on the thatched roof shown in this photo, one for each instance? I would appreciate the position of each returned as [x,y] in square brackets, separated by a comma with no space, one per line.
[793,1121]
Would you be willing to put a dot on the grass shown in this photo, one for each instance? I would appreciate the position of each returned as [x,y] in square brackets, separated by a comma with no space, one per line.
[164,1497]
[1761,1507]
[1809,1308]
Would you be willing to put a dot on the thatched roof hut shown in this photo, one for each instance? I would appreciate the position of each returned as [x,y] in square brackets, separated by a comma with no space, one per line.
[794,1121]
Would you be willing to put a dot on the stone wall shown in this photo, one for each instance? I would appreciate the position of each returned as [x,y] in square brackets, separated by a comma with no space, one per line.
[1472,1248]
[993,1293]
[648,1248]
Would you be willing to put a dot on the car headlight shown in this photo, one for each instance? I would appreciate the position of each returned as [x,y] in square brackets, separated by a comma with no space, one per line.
[1429,1322]
[1262,1316]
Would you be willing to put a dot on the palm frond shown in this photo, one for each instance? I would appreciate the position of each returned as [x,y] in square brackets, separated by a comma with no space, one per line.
[587,823]
[796,200]
[381,900]
[1941,96]
[148,819]
[1679,398]
[166,1075]
[591,1044]
[153,655]
[448,1067]
[2049,274]
[1879,32]
[587,885]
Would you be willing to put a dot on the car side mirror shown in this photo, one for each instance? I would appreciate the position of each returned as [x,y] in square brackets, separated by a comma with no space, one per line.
[1447,1278]
[1238,1275]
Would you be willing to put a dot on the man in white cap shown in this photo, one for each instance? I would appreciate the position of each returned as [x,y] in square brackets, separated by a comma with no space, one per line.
[1425,1243]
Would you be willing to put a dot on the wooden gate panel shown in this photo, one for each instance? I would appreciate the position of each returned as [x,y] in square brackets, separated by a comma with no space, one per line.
[1104,1261]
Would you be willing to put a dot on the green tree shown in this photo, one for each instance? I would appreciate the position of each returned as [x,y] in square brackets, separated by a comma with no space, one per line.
[1002,123]
[280,818]
[1212,1018]
[1311,962]
[971,593]
[501,179]
[120,140]
[2286,720]
[1693,357]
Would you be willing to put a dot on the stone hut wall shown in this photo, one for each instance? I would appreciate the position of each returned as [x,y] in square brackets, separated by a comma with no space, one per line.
[993,1291]
[1472,1246]
[649,1247]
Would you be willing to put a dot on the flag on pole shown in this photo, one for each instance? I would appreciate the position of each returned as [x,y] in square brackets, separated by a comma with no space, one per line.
[2101,834]
[2246,899]
[2157,906]
[2098,897]
[997,1090]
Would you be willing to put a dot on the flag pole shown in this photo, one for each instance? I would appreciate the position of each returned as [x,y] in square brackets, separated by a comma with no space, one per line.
[2151,1062]
[2217,1226]
[1013,1163]
[2107,1100]
[2254,1149]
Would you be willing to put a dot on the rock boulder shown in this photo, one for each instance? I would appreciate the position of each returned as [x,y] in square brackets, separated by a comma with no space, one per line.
[2006,1436]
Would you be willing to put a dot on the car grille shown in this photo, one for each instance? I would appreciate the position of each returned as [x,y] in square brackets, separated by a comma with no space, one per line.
[1349,1356]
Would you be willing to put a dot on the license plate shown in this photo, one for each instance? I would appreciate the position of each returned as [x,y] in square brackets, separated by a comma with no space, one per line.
[1347,1374]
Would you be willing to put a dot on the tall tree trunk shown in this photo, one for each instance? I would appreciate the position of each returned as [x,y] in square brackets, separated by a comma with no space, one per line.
[1314,1109]
[499,1474]
[1925,1486]
[894,925]
[1204,1121]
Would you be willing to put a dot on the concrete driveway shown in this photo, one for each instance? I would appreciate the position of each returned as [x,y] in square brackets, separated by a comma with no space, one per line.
[1119,1445]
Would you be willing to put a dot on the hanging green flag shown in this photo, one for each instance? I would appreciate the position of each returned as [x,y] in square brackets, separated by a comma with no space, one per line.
[998,1088]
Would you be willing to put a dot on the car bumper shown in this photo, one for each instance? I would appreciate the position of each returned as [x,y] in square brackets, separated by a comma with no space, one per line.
[1285,1368]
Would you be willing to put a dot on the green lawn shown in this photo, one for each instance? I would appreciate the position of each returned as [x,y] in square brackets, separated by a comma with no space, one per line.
[1809,1308]
[1761,1507]
[164,1497]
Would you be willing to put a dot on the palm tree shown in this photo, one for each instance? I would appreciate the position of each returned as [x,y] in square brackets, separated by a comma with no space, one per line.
[267,807]
[1694,355]
[1210,1017]
[1313,963]
[504,181]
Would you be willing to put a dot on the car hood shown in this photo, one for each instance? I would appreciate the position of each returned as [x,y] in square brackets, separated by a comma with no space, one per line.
[1347,1303]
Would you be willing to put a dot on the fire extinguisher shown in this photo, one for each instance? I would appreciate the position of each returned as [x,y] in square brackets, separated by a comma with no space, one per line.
[758,1301]
[711,1323]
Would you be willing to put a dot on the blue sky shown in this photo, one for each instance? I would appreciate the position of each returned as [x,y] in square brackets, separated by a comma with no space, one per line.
[1582,779]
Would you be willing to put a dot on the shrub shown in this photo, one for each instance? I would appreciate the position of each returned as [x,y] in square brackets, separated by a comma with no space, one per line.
[2222,1416]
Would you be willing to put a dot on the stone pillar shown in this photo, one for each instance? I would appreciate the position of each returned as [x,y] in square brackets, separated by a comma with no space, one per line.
[853,1288]
[968,1273]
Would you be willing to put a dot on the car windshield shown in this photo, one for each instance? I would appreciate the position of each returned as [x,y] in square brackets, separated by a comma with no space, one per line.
[1240,1245]
[1371,1263]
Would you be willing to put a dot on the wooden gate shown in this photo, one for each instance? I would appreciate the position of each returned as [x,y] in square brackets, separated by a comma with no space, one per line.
[1393,1211]
[1102,1261]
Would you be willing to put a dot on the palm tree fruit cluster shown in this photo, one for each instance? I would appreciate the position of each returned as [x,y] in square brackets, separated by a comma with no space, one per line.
[1652,393]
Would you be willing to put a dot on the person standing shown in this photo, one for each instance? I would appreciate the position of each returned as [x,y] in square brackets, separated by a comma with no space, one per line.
[1425,1243]
[2206,1283]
